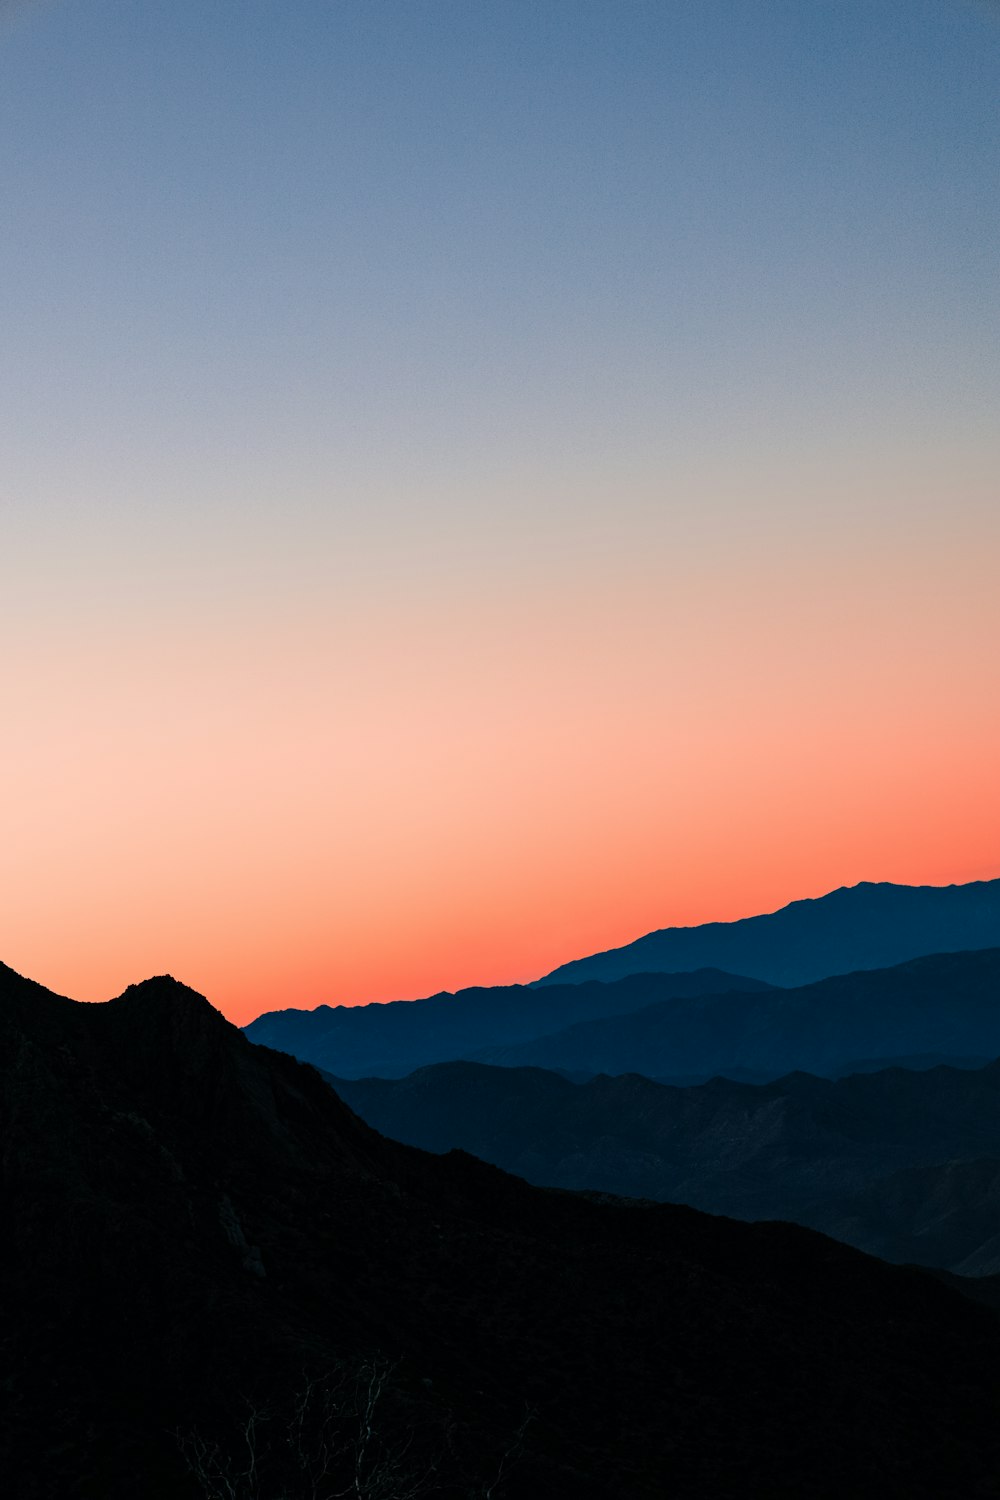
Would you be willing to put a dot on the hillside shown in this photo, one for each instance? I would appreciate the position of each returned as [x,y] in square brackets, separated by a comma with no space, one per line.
[197,1227]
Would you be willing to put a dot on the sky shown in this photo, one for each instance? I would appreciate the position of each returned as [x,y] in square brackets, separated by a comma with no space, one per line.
[481,481]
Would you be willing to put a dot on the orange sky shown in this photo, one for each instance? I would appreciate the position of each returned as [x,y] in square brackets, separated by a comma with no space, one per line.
[482,482]
[377,796]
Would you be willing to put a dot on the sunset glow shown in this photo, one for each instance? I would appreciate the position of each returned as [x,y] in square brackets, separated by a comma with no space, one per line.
[388,606]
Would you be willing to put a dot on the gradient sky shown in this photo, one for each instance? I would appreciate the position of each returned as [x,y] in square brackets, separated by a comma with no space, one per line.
[480,481]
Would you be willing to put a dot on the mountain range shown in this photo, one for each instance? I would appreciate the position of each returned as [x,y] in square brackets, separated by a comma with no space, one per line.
[848,1026]
[214,1274]
[391,1040]
[902,1164]
[940,1008]
[865,926]
[945,1005]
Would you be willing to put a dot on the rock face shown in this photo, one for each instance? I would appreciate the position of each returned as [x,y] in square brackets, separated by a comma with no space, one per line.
[864,926]
[152,1157]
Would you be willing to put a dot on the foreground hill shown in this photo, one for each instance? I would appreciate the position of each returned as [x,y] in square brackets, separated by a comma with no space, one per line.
[947,1004]
[901,1164]
[864,926]
[391,1040]
[197,1228]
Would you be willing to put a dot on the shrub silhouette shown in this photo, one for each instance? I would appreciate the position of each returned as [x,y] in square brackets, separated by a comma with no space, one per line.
[344,1436]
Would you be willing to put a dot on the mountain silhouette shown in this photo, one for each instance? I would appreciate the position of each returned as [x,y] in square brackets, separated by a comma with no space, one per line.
[391,1040]
[946,1214]
[196,1227]
[901,1164]
[866,926]
[944,1004]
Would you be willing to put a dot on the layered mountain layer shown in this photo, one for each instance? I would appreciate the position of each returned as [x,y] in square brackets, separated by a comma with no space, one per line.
[946,1005]
[866,926]
[902,1164]
[676,1027]
[391,1040]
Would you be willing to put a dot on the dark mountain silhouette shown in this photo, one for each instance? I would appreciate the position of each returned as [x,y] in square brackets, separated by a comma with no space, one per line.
[914,1062]
[901,1164]
[191,1222]
[391,1040]
[946,1004]
[858,927]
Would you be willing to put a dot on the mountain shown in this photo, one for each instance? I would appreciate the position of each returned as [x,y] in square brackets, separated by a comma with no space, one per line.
[945,1214]
[210,1267]
[946,1004]
[901,1164]
[391,1040]
[864,926]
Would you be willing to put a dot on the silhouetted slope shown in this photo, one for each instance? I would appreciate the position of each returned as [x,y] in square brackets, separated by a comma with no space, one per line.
[391,1040]
[901,1164]
[858,927]
[190,1219]
[947,1003]
[946,1214]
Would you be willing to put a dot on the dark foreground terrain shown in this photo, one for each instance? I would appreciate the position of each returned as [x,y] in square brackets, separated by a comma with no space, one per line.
[196,1228]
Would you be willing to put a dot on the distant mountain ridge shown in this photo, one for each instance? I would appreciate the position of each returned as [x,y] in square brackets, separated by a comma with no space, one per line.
[391,1040]
[865,926]
[945,1003]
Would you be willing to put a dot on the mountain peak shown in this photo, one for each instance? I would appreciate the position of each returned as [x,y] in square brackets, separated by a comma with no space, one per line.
[162,989]
[167,1020]
[870,925]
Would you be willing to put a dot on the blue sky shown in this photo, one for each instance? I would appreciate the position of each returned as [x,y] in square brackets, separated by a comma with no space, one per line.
[414,237]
